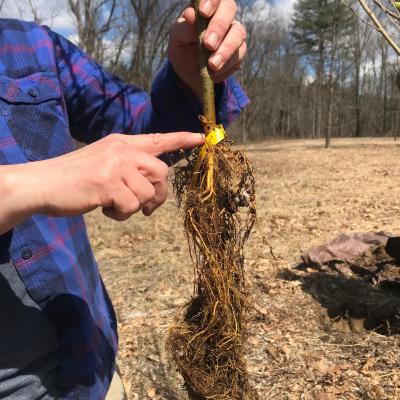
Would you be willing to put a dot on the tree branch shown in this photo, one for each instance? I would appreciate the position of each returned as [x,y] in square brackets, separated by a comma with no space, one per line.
[379,26]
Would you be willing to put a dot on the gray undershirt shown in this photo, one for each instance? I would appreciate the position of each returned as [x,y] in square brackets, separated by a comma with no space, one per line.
[28,343]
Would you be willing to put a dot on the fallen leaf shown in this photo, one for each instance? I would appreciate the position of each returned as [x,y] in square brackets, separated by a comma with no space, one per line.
[369,363]
[320,395]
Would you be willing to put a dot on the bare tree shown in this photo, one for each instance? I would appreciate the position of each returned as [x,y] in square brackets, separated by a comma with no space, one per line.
[341,85]
[35,12]
[150,20]
[94,20]
[361,36]
[389,18]
[262,42]
[25,7]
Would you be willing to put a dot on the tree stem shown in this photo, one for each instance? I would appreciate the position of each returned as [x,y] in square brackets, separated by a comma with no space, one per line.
[379,26]
[207,83]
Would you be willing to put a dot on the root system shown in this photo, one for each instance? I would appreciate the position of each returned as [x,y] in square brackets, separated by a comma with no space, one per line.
[208,345]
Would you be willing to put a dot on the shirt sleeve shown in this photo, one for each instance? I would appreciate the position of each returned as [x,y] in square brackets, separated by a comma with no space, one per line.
[100,103]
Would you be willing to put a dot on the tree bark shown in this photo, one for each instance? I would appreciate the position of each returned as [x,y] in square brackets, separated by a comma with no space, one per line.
[208,84]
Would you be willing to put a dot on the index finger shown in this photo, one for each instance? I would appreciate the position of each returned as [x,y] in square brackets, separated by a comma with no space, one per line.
[160,143]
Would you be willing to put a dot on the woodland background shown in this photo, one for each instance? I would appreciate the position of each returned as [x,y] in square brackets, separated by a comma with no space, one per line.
[313,69]
[318,72]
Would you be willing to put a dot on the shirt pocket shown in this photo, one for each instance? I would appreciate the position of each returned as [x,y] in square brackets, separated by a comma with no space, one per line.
[33,109]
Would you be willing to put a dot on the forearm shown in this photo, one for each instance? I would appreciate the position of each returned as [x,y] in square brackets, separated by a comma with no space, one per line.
[121,174]
[19,195]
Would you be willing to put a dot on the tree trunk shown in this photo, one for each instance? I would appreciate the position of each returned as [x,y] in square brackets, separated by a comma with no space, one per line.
[328,131]
[357,66]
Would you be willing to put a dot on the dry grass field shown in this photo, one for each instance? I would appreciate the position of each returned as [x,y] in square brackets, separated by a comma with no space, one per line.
[308,331]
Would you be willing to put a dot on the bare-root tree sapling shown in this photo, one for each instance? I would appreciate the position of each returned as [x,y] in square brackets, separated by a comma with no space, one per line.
[215,190]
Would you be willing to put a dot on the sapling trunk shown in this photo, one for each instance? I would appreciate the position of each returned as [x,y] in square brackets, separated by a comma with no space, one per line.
[215,191]
[208,94]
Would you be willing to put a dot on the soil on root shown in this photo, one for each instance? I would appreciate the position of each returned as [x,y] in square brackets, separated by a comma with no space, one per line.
[207,342]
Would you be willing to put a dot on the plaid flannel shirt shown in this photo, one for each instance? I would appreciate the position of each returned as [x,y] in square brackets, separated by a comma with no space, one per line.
[51,92]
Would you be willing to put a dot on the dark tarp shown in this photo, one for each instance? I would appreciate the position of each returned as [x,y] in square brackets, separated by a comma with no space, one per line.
[347,248]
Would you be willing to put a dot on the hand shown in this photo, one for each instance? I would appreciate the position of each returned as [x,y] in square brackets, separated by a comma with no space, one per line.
[120,173]
[225,38]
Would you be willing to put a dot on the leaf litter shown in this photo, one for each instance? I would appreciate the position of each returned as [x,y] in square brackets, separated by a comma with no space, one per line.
[296,350]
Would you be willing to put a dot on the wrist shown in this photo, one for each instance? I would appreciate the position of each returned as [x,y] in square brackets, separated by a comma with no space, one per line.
[20,189]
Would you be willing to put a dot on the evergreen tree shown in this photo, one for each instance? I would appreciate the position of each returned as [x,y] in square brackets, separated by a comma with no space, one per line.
[319,26]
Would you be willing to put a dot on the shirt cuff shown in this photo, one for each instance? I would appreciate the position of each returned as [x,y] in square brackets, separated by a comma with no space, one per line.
[230,101]
[178,107]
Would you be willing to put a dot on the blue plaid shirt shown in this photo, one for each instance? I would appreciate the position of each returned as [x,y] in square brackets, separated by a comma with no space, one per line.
[51,92]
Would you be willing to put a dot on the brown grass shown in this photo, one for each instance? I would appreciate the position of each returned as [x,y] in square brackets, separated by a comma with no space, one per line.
[297,347]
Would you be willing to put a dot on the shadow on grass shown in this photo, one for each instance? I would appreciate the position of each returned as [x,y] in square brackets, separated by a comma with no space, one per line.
[351,303]
[160,370]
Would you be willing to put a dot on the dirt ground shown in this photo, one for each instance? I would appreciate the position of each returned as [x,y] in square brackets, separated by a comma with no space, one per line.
[309,330]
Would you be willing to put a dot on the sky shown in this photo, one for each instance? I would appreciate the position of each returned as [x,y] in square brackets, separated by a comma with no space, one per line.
[53,14]
[283,7]
[56,15]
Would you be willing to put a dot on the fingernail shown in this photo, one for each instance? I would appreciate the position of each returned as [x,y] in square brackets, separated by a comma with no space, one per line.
[198,136]
[216,60]
[146,211]
[206,8]
[212,39]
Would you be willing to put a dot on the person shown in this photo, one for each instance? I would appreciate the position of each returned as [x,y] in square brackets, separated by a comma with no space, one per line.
[58,336]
